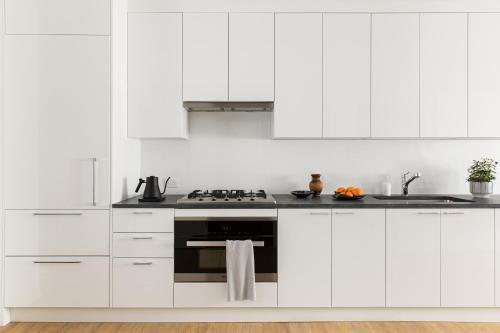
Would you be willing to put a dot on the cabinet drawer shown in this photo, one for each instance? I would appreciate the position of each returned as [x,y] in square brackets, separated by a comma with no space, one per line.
[143,245]
[214,295]
[57,282]
[143,220]
[50,232]
[143,283]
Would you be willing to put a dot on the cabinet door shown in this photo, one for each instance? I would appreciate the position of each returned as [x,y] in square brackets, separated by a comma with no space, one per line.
[358,257]
[143,283]
[395,75]
[346,75]
[251,56]
[497,257]
[155,76]
[443,97]
[76,17]
[298,74]
[468,263]
[63,282]
[57,122]
[304,258]
[413,258]
[205,56]
[484,74]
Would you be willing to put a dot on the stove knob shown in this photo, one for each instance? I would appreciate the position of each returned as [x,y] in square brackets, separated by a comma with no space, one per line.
[214,199]
[239,199]
[252,199]
[200,199]
[226,199]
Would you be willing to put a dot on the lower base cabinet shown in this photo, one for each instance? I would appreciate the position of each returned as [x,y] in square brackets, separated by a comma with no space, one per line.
[143,282]
[467,258]
[304,257]
[358,257]
[214,295]
[413,257]
[57,282]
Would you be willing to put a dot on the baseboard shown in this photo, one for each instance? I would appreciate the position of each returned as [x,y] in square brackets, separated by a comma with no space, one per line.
[254,315]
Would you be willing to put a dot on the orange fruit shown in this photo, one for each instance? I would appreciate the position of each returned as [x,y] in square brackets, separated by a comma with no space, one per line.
[360,191]
[340,189]
[349,194]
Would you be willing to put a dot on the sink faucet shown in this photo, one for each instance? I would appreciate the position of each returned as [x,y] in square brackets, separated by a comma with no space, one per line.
[405,181]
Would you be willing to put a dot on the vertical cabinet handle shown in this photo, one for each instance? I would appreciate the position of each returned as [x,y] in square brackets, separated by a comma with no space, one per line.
[94,160]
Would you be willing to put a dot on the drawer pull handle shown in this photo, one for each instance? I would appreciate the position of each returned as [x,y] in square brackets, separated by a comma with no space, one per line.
[217,243]
[139,238]
[142,263]
[428,213]
[142,213]
[57,214]
[56,262]
[454,213]
[345,213]
[313,213]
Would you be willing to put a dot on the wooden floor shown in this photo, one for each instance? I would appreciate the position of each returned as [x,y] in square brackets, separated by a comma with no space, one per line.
[341,327]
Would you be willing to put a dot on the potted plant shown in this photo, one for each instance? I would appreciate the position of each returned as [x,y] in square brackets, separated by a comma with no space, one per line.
[481,176]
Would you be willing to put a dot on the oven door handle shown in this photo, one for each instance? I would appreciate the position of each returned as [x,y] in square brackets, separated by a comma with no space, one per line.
[217,243]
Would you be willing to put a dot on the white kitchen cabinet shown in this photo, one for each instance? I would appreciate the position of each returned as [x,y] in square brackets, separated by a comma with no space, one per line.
[443,66]
[298,110]
[77,17]
[413,258]
[251,56]
[484,74]
[304,258]
[57,122]
[467,258]
[358,257]
[155,76]
[152,245]
[143,283]
[205,55]
[497,257]
[63,233]
[395,75]
[143,220]
[57,282]
[346,75]
[214,295]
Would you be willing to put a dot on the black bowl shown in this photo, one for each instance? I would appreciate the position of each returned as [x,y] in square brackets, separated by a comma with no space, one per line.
[301,194]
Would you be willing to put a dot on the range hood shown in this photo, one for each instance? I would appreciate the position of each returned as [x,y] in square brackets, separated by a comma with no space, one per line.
[229,106]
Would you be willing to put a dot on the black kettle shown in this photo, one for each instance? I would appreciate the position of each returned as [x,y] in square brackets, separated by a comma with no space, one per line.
[152,191]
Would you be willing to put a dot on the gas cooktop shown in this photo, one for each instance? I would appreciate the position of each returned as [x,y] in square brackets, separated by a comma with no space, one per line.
[227,196]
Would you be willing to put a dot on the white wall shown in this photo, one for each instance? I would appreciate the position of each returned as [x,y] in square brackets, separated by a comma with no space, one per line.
[3,313]
[125,153]
[235,150]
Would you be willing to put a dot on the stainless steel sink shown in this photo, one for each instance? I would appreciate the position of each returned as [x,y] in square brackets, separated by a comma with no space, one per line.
[419,199]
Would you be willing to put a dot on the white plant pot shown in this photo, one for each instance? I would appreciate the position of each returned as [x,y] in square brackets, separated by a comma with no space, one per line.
[481,189]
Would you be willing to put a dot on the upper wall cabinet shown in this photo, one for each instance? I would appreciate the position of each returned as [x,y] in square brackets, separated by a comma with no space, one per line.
[229,57]
[155,76]
[57,122]
[484,74]
[298,74]
[205,57]
[443,59]
[75,17]
[395,75]
[251,57]
[346,75]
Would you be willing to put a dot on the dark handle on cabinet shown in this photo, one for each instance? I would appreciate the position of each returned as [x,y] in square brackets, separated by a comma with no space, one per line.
[56,262]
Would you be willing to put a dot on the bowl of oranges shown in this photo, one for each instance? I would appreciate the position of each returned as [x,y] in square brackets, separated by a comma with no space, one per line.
[349,193]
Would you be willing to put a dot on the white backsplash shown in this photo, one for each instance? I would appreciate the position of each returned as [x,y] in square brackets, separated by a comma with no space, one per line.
[235,150]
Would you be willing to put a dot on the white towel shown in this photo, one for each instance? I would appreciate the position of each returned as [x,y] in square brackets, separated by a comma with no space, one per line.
[240,268]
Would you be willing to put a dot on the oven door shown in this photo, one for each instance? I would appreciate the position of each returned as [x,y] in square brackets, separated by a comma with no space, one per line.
[200,248]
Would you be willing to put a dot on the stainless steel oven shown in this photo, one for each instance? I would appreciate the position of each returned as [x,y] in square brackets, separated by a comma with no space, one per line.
[200,240]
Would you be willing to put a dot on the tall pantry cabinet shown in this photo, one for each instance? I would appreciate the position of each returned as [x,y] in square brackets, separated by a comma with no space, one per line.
[57,152]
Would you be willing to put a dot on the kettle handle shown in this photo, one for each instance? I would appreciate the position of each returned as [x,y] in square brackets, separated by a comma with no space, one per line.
[141,181]
[165,187]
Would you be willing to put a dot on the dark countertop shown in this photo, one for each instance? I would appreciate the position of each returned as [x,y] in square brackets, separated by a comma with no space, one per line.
[325,201]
